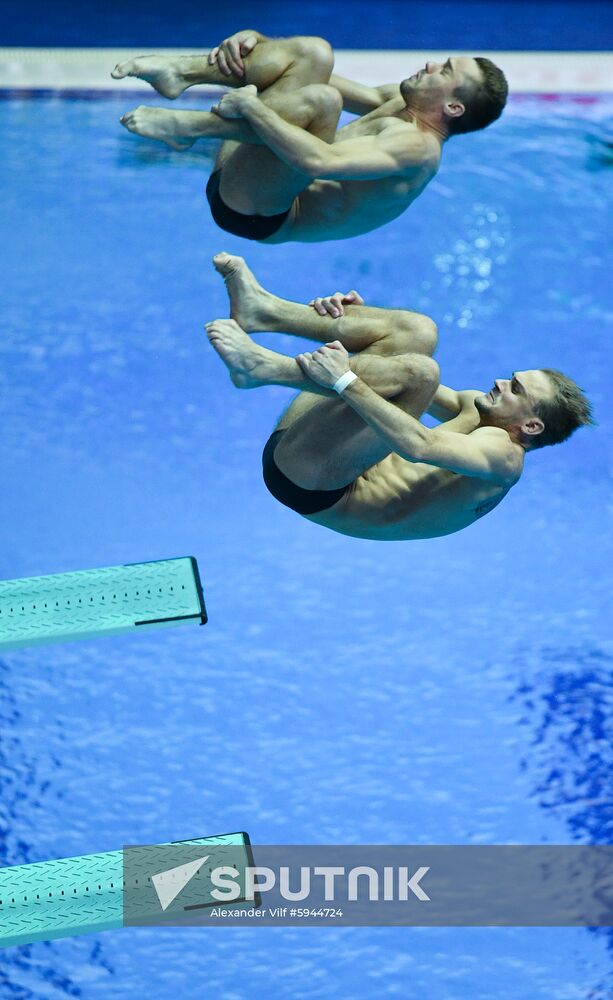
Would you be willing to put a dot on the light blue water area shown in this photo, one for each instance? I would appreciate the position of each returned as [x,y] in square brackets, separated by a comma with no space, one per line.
[448,691]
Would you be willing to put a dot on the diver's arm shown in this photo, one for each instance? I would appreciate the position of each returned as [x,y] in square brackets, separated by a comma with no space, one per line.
[360,99]
[449,403]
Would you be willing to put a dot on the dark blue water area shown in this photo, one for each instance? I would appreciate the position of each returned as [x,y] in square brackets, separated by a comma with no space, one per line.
[456,690]
[349,24]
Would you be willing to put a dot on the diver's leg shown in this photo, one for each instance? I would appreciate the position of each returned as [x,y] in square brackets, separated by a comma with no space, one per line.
[326,444]
[275,64]
[315,108]
[361,328]
[254,180]
[251,366]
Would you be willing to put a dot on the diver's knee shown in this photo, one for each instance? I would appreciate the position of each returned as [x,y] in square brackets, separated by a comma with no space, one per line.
[323,100]
[419,332]
[316,51]
[429,373]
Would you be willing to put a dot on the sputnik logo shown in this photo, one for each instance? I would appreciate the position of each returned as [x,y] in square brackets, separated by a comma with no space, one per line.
[169,884]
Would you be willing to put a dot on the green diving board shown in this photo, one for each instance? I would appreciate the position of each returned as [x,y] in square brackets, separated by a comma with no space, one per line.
[96,602]
[99,892]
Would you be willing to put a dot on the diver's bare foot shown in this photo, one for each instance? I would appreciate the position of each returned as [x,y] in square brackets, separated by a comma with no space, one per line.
[250,304]
[249,364]
[157,123]
[162,72]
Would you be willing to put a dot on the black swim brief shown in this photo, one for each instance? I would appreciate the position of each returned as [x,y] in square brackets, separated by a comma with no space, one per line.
[301,500]
[251,227]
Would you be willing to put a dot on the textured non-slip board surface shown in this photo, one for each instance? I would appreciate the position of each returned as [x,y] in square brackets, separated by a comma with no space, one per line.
[70,896]
[95,602]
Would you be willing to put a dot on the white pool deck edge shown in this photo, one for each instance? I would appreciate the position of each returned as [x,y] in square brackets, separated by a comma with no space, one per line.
[527,72]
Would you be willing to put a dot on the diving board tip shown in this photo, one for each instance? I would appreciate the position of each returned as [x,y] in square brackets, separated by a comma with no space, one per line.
[61,607]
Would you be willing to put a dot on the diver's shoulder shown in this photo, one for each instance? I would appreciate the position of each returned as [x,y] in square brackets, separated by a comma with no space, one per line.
[506,455]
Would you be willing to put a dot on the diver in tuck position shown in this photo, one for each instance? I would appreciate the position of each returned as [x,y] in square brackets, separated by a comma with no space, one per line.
[359,461]
[286,172]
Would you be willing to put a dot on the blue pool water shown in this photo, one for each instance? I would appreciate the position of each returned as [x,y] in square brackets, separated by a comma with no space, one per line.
[449,691]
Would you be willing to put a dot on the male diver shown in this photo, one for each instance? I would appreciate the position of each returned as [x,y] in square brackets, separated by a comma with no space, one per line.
[350,452]
[285,171]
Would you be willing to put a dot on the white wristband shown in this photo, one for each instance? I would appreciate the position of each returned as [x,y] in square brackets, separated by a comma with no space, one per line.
[345,380]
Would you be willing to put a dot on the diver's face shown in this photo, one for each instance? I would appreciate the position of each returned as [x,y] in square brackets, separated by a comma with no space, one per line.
[510,402]
[436,84]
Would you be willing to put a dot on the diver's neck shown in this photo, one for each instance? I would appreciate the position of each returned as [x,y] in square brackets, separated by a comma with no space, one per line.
[513,432]
[427,122]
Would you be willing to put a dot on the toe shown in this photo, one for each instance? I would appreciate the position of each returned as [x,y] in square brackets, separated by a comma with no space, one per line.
[121,70]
